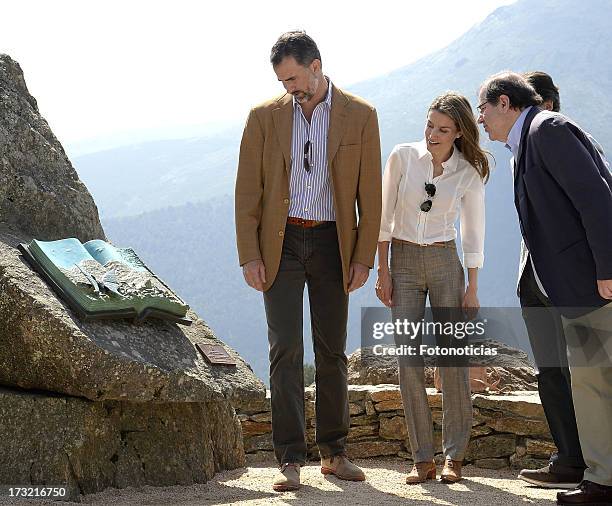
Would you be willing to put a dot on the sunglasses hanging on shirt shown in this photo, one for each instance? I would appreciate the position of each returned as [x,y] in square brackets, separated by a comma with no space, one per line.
[307,164]
[430,189]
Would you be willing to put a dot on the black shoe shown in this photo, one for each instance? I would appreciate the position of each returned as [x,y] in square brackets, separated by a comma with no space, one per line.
[587,492]
[545,478]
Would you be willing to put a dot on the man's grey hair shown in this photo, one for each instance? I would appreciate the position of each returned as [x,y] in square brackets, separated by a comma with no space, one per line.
[518,90]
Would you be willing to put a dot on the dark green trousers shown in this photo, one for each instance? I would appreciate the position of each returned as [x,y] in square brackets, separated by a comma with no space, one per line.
[310,257]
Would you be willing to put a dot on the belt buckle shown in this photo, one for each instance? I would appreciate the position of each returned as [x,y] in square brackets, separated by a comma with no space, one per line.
[300,222]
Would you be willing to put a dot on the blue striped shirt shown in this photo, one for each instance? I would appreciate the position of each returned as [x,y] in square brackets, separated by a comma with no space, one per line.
[310,193]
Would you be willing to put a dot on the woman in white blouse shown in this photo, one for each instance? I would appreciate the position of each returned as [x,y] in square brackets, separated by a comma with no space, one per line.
[427,185]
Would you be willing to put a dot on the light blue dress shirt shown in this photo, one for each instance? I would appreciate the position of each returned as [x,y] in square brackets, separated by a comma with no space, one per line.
[513,143]
[310,193]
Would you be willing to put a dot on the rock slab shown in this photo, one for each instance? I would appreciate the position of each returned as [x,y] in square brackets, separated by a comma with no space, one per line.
[40,192]
[113,443]
[90,405]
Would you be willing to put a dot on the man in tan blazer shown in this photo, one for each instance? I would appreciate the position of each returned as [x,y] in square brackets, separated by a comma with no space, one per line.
[308,200]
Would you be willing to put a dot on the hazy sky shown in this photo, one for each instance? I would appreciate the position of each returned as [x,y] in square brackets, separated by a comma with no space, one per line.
[99,69]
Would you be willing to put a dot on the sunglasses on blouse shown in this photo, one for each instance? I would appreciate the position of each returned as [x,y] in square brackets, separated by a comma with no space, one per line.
[430,189]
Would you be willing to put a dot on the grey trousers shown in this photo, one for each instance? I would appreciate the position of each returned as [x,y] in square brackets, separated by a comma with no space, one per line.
[547,338]
[417,272]
[310,257]
[589,342]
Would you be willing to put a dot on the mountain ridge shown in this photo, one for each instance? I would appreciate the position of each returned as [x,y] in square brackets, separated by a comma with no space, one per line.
[513,36]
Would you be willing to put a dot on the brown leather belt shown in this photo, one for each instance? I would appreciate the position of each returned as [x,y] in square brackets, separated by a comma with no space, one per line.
[304,223]
[446,244]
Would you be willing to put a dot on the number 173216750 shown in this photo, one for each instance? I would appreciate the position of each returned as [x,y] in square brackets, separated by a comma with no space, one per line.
[39,491]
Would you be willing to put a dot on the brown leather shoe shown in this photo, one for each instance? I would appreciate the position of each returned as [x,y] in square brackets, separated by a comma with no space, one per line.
[421,471]
[288,478]
[545,477]
[341,467]
[587,493]
[451,472]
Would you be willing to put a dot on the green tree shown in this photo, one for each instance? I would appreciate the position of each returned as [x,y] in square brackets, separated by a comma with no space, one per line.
[309,374]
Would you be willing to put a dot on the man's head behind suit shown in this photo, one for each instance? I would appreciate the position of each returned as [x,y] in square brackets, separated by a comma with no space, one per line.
[501,99]
[296,61]
[545,87]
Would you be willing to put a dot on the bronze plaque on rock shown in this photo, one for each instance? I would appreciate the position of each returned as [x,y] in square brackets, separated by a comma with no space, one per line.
[215,354]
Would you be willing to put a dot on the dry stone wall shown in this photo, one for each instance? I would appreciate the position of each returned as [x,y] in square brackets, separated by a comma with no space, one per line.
[508,430]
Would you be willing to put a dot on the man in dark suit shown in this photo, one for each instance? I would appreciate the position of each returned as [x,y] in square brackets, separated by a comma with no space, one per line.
[563,196]
[547,338]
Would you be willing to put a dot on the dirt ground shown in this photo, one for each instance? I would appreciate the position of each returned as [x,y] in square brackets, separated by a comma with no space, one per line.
[384,485]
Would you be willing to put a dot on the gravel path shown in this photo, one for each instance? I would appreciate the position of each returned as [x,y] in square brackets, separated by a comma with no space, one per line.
[384,485]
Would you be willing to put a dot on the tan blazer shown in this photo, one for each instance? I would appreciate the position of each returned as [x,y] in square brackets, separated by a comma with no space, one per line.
[262,183]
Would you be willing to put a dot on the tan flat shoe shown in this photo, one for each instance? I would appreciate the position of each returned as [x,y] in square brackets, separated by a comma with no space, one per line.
[451,472]
[421,471]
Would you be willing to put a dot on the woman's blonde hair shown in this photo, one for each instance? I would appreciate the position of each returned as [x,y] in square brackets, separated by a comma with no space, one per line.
[458,108]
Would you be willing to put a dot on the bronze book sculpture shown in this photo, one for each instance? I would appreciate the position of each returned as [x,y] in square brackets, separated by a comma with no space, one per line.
[99,280]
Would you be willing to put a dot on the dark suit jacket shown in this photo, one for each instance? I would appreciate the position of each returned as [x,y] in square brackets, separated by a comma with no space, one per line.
[563,196]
